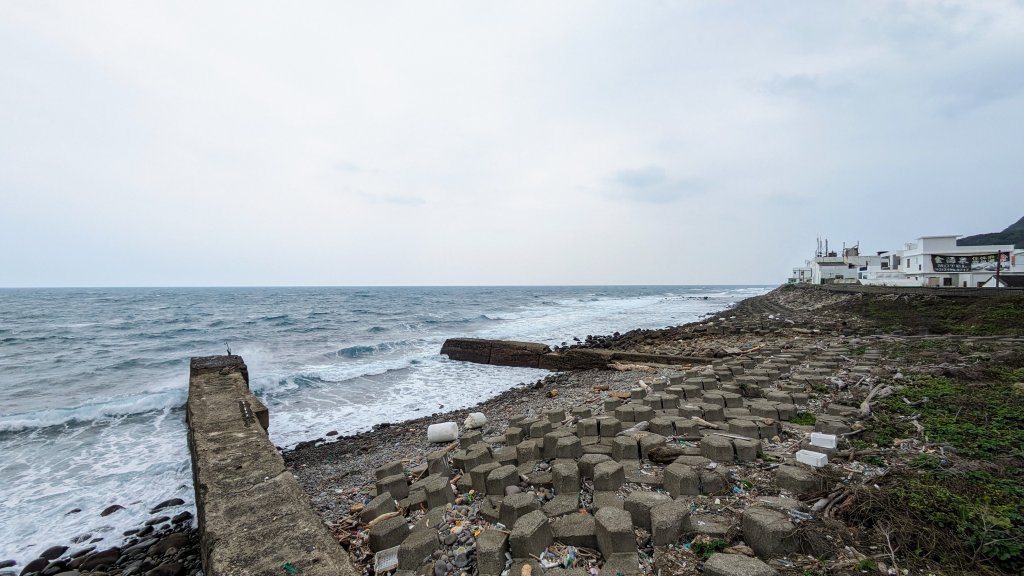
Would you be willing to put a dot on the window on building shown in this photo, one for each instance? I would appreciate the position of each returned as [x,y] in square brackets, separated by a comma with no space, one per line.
[947,281]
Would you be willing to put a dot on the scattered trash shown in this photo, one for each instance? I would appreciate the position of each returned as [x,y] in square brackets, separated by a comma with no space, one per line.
[385,560]
[816,459]
[824,440]
[443,432]
[289,568]
[475,420]
[799,516]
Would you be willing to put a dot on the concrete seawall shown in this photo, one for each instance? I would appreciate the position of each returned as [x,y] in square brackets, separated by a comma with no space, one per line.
[253,516]
[533,355]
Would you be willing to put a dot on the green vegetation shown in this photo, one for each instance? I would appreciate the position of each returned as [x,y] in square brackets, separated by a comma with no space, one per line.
[706,547]
[804,419]
[962,505]
[866,564]
[979,419]
[945,314]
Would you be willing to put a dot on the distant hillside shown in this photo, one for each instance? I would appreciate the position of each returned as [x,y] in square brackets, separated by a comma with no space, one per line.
[1014,234]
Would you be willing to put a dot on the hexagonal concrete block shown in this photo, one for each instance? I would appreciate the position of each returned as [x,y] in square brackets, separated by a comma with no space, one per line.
[714,483]
[527,451]
[439,492]
[416,549]
[769,532]
[797,480]
[478,476]
[614,532]
[569,447]
[515,506]
[500,478]
[746,449]
[388,533]
[717,448]
[681,480]
[639,505]
[566,477]
[625,448]
[609,476]
[668,521]
[491,546]
[531,535]
[397,485]
[390,469]
[575,530]
[736,565]
[587,462]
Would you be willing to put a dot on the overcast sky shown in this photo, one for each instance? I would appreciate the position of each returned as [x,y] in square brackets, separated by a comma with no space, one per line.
[384,143]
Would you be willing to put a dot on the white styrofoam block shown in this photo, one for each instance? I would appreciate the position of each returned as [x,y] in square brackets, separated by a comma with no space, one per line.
[824,440]
[443,432]
[816,459]
[475,420]
[386,560]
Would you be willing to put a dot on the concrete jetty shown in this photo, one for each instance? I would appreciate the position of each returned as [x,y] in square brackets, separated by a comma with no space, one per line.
[254,518]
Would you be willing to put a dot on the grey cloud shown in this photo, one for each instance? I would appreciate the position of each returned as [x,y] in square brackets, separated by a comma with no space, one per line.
[395,199]
[651,185]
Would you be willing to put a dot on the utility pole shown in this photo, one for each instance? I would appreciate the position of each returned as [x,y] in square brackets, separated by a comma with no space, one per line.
[999,265]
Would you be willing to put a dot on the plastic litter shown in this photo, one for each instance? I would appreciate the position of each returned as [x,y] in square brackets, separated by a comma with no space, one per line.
[799,516]
[385,560]
[289,568]
[443,432]
[570,558]
[549,560]
[475,420]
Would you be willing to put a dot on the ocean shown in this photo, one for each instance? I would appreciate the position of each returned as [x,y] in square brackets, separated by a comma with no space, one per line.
[93,381]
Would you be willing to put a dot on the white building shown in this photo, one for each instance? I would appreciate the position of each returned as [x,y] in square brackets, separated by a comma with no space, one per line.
[801,275]
[939,261]
[929,261]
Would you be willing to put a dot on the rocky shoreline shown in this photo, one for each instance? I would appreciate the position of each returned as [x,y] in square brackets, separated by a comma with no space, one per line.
[167,544]
[778,368]
[698,472]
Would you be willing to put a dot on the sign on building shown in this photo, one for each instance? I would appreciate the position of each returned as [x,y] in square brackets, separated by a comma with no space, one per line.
[974,263]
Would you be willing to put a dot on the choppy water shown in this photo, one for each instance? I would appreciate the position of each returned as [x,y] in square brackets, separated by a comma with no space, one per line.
[92,381]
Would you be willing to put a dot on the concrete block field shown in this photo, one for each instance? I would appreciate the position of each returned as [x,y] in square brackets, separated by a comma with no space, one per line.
[698,466]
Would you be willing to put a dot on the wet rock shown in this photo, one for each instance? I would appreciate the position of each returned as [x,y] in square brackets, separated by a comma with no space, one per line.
[103,558]
[167,504]
[176,540]
[167,569]
[35,566]
[179,518]
[111,509]
[6,563]
[53,552]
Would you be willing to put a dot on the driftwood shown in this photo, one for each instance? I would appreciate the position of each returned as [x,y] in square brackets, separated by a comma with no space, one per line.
[381,518]
[880,390]
[627,367]
[705,423]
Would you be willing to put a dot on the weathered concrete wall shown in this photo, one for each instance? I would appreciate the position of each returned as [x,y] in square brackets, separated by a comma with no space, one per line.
[921,290]
[253,515]
[533,355]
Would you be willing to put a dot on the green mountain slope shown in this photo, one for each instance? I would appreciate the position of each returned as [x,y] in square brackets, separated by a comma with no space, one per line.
[1013,234]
